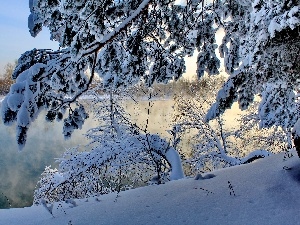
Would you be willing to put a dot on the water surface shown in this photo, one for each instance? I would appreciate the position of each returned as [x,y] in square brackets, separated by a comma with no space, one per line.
[20,170]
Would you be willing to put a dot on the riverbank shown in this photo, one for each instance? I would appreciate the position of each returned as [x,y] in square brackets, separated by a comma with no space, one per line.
[263,192]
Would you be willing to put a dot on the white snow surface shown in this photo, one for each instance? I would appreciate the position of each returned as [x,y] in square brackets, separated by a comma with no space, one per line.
[264,192]
[174,158]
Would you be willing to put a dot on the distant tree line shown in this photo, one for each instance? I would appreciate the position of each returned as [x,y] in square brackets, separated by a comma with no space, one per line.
[5,79]
[181,87]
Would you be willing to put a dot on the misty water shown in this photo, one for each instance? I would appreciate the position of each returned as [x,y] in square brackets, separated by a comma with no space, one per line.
[20,170]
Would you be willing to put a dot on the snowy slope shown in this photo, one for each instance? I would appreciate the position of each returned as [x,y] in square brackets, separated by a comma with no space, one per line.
[264,192]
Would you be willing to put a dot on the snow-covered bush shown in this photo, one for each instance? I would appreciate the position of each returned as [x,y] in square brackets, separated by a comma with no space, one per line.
[215,144]
[274,139]
[120,156]
[218,143]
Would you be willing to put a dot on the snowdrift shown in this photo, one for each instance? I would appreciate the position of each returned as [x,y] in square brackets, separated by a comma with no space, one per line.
[266,191]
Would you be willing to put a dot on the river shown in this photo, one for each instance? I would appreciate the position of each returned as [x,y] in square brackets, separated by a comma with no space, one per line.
[20,170]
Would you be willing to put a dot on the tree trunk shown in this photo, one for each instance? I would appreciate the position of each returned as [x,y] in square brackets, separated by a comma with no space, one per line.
[297,144]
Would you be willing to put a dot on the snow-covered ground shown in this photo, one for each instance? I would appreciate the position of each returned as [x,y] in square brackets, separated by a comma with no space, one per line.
[266,191]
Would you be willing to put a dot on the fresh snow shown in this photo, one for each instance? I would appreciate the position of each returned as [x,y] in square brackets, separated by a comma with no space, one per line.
[263,192]
[174,159]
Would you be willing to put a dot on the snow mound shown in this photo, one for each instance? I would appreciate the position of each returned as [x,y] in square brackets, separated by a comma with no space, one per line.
[263,192]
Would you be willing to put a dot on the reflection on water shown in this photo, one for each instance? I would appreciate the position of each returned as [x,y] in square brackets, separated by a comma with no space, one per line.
[159,117]
[20,171]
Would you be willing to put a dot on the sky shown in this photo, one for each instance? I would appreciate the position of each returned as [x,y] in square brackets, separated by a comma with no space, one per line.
[15,38]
